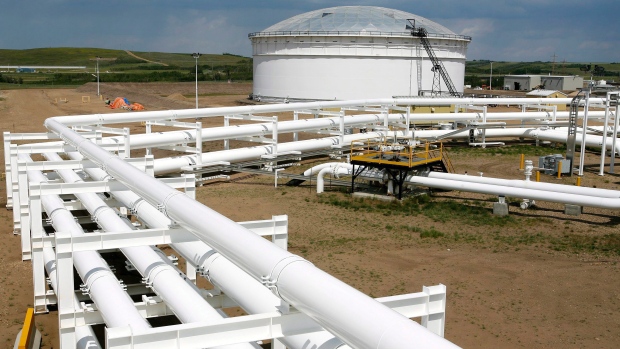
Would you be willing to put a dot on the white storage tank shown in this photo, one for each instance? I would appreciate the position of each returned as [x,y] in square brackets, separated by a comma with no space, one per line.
[352,52]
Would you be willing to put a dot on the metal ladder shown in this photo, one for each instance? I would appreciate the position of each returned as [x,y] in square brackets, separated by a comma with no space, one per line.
[572,128]
[419,67]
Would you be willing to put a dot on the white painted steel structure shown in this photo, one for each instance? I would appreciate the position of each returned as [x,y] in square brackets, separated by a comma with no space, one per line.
[258,275]
[352,52]
[289,276]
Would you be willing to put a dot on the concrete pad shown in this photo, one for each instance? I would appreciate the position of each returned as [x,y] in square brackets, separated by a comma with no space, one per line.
[500,209]
[573,210]
[374,196]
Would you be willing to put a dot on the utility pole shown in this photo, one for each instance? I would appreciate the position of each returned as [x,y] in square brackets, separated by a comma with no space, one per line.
[196,56]
[98,58]
[553,65]
[491,78]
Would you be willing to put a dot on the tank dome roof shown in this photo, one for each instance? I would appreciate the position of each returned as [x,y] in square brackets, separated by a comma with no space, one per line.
[357,19]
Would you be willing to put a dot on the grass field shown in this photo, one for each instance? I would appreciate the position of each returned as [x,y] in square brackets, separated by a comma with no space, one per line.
[86,56]
[118,66]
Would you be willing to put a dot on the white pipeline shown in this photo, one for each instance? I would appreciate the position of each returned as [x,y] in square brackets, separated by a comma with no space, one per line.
[179,294]
[250,294]
[357,319]
[550,187]
[523,193]
[174,164]
[103,119]
[592,197]
[115,305]
[84,336]
[335,170]
[306,125]
[222,272]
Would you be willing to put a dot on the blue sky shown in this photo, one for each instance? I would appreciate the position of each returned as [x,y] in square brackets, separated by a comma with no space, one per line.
[518,30]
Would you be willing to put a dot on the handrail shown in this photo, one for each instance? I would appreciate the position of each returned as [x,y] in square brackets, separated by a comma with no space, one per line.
[446,160]
[352,33]
[408,152]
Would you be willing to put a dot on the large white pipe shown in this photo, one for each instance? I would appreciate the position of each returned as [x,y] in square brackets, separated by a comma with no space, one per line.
[339,169]
[347,313]
[534,194]
[238,285]
[516,188]
[102,119]
[173,164]
[155,139]
[84,336]
[180,295]
[115,305]
[305,125]
[551,187]
[251,295]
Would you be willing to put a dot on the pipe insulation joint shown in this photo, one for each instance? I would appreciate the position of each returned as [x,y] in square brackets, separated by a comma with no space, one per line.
[97,213]
[133,209]
[271,280]
[151,275]
[92,277]
[163,206]
[206,265]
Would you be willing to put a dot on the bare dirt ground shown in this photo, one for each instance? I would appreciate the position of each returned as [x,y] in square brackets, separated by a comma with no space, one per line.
[537,279]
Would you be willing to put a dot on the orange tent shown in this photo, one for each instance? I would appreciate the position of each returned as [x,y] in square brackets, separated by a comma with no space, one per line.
[119,102]
[137,106]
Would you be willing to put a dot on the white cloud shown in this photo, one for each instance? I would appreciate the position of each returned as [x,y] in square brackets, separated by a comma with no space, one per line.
[595,45]
[474,27]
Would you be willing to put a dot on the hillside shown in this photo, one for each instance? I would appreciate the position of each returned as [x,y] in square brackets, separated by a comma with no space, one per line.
[85,57]
[119,66]
[135,66]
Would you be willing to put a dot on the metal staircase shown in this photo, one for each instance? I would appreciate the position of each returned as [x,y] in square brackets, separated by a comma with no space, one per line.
[438,66]
[447,163]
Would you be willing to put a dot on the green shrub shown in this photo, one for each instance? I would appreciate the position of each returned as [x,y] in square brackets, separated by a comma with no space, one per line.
[431,233]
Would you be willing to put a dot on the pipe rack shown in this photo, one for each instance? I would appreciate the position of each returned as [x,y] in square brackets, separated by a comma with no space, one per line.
[284,279]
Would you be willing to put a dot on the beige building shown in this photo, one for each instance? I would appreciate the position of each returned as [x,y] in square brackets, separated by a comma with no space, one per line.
[549,94]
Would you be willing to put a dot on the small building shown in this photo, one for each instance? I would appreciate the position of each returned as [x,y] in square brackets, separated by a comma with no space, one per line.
[549,94]
[562,83]
[546,94]
[521,82]
[547,82]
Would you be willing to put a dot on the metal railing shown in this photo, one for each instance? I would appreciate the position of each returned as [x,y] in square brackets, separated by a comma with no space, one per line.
[353,33]
[400,154]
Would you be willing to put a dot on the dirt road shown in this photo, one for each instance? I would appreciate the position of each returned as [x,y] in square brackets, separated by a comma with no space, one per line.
[144,59]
